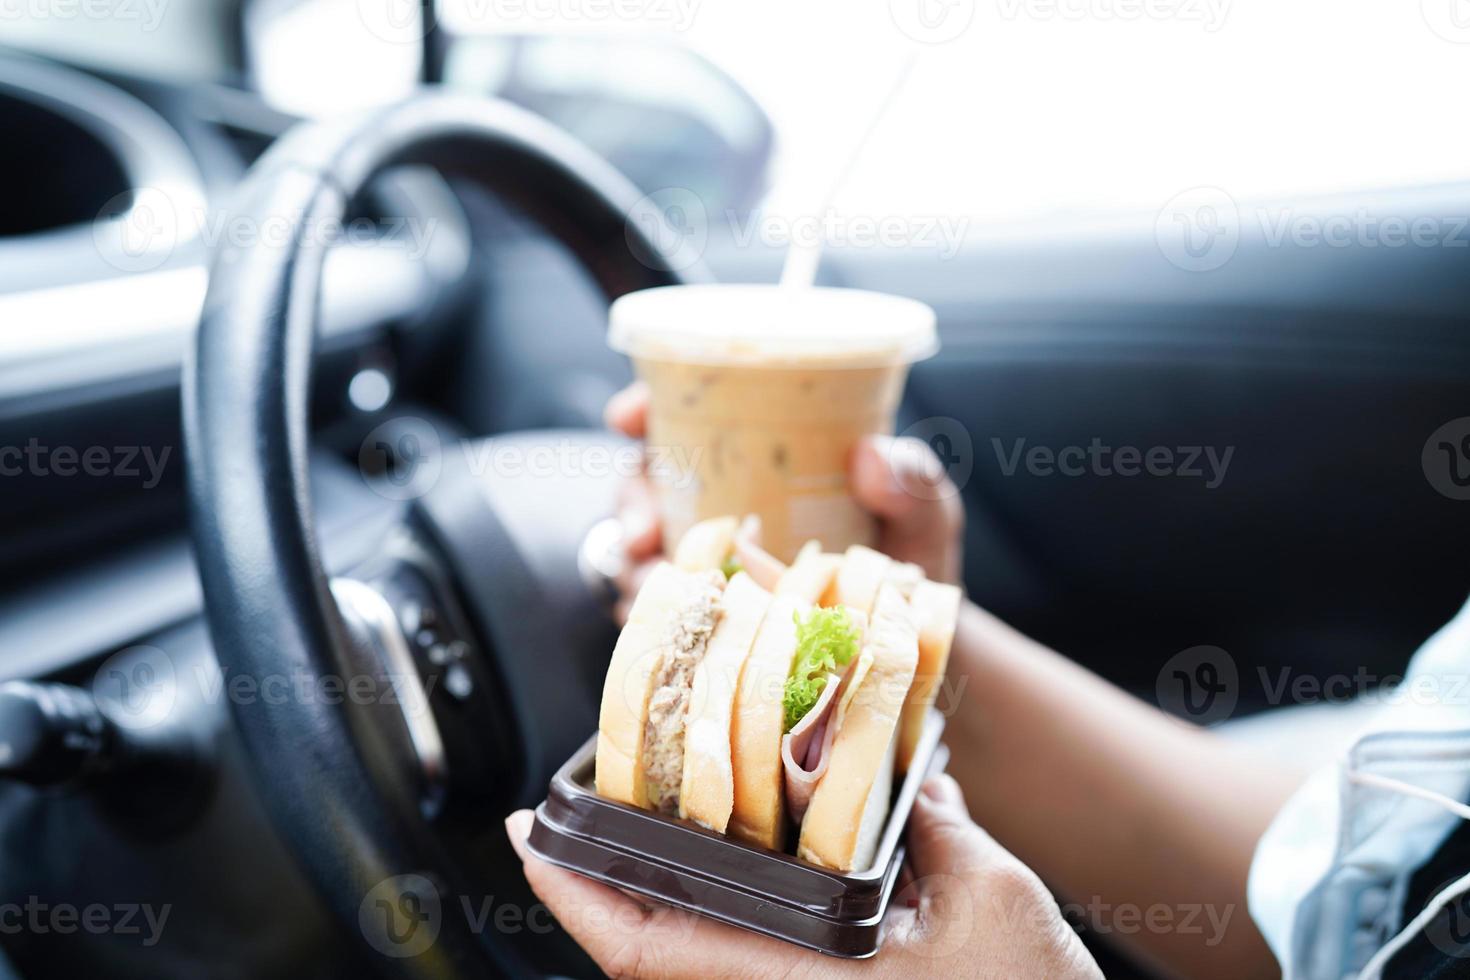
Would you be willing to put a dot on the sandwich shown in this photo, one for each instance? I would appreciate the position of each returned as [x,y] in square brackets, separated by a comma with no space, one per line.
[772,711]
[816,727]
[675,662]
[845,816]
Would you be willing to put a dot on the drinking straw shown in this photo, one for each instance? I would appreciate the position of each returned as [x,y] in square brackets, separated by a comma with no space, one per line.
[802,259]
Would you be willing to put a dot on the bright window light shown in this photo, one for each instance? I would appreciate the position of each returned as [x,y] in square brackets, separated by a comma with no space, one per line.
[1022,108]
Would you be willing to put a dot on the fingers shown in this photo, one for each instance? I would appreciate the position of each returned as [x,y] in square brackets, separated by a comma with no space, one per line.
[628,582]
[638,513]
[628,940]
[642,542]
[627,411]
[904,485]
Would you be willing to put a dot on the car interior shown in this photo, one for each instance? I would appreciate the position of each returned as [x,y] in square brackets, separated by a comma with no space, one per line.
[265,265]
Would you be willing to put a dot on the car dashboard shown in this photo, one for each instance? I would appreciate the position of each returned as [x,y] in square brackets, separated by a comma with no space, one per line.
[100,293]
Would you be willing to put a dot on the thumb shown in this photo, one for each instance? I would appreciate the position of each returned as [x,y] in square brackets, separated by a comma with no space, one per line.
[943,840]
[903,484]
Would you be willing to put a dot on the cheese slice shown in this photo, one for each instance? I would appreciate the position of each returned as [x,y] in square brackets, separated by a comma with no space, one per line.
[708,792]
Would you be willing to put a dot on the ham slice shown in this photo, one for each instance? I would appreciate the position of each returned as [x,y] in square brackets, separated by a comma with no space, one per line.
[807,747]
[757,562]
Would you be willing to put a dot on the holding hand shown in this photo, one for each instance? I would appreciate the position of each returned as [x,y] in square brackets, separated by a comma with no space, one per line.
[965,908]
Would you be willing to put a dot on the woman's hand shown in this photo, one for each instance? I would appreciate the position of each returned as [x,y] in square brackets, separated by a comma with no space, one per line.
[966,908]
[900,481]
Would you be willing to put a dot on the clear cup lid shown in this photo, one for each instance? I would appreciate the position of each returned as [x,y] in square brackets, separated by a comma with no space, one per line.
[771,326]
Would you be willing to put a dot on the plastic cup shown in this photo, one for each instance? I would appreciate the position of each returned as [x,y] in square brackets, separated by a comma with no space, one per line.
[758,395]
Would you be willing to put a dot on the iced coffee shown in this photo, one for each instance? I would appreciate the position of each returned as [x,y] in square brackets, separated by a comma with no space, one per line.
[758,395]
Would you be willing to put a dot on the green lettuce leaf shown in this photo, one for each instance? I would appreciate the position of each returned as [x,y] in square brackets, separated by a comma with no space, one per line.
[826,642]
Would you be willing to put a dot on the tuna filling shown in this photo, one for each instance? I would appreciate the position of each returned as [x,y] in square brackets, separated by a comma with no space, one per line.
[673,677]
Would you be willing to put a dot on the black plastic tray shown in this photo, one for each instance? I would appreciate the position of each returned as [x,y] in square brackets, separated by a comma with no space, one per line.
[684,865]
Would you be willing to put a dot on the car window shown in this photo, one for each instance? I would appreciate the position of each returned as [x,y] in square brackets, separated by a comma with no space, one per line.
[1021,108]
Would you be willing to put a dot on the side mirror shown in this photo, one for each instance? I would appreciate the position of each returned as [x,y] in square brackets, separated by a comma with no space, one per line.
[662,114]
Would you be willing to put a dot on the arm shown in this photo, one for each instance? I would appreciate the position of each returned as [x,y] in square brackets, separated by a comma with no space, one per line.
[1119,807]
[1106,796]
[1124,810]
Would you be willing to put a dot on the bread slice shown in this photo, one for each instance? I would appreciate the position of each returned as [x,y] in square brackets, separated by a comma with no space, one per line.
[666,597]
[708,793]
[706,545]
[850,805]
[758,812]
[811,575]
[937,607]
[862,573]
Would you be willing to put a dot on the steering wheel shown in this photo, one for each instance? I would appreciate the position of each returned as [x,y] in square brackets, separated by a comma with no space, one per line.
[391,804]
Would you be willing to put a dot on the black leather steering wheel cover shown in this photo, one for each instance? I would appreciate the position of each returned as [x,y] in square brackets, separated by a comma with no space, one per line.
[246,395]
